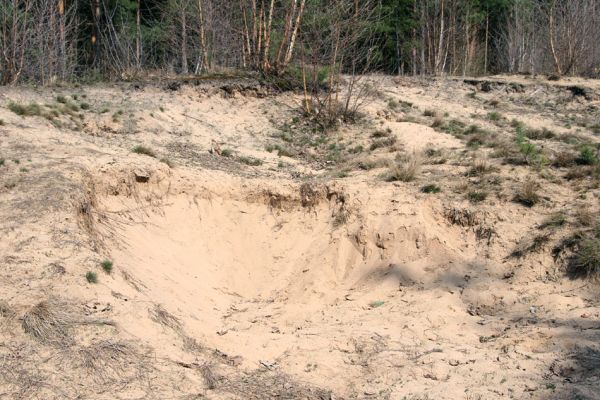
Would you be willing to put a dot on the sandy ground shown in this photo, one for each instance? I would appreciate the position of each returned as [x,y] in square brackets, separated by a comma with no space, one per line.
[304,277]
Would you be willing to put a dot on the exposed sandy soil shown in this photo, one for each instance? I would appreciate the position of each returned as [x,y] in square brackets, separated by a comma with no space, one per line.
[304,277]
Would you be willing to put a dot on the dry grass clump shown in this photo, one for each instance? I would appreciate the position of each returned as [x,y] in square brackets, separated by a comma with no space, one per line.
[431,188]
[481,167]
[528,193]
[564,159]
[404,171]
[530,244]
[555,220]
[539,134]
[147,151]
[383,142]
[49,322]
[208,374]
[108,361]
[252,161]
[25,110]
[161,316]
[265,384]
[585,262]
[462,217]
[310,194]
[582,249]
[476,196]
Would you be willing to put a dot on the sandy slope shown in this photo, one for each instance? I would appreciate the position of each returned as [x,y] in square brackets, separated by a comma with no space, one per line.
[279,280]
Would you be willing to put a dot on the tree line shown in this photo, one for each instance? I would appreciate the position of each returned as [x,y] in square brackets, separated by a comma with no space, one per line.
[48,40]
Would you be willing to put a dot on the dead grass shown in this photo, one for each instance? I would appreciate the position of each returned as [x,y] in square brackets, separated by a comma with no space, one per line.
[585,263]
[383,142]
[161,316]
[310,194]
[404,170]
[109,362]
[265,384]
[481,167]
[528,193]
[49,322]
[530,244]
[564,159]
[476,196]
[211,379]
[147,151]
[462,217]
[555,220]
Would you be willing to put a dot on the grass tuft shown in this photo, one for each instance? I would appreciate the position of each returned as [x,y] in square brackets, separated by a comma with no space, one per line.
[528,194]
[91,277]
[140,149]
[586,261]
[404,171]
[107,266]
[431,188]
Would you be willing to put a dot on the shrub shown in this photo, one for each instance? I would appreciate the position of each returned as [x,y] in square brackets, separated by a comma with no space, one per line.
[587,155]
[281,151]
[226,152]
[25,110]
[384,142]
[475,141]
[85,106]
[255,162]
[140,149]
[564,159]
[539,134]
[61,99]
[91,277]
[528,194]
[167,161]
[432,188]
[356,149]
[477,196]
[393,104]
[454,127]
[381,134]
[107,266]
[494,116]
[2,161]
[437,121]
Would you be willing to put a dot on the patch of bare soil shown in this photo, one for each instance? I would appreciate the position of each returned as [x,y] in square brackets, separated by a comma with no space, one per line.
[200,239]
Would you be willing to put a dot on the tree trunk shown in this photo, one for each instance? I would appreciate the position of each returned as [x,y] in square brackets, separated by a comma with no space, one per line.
[552,45]
[62,46]
[138,36]
[184,58]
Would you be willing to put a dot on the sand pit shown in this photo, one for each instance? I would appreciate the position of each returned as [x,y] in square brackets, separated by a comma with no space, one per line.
[207,244]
